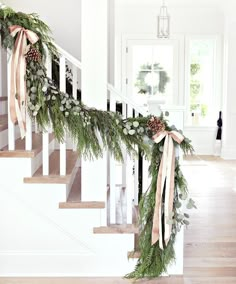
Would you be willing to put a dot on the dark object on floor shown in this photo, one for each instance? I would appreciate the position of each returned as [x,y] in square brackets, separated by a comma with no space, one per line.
[219,124]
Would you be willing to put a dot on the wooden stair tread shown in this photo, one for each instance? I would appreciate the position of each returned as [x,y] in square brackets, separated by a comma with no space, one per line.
[82,205]
[117,229]
[133,254]
[20,151]
[54,169]
[3,122]
[3,98]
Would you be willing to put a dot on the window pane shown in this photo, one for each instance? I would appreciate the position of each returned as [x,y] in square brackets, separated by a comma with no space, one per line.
[143,82]
[152,71]
[163,58]
[201,79]
[142,56]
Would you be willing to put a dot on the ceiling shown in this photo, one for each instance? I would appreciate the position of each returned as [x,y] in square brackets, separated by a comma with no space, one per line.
[217,4]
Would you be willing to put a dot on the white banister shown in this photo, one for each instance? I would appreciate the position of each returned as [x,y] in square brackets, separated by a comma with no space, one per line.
[125,99]
[11,126]
[69,57]
[46,133]
[63,89]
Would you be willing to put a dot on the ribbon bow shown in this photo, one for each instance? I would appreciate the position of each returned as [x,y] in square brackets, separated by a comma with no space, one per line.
[18,69]
[165,179]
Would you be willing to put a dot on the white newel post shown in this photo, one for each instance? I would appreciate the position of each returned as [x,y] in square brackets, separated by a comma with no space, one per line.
[94,89]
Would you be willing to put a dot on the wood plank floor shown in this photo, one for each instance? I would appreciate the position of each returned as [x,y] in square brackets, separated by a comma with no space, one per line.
[210,240]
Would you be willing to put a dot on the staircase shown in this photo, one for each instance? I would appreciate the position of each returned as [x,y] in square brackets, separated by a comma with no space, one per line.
[41,178]
[47,226]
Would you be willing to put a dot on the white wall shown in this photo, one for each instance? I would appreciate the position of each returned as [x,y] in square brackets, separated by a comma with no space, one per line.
[184,19]
[229,114]
[63,17]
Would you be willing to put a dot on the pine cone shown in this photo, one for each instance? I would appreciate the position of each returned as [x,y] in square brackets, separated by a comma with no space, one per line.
[33,55]
[156,125]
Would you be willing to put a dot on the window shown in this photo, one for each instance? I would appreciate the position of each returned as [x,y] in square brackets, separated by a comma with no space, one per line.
[151,69]
[201,85]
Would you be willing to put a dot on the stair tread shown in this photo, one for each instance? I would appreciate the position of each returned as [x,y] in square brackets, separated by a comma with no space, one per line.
[54,169]
[3,98]
[20,147]
[117,229]
[133,254]
[82,205]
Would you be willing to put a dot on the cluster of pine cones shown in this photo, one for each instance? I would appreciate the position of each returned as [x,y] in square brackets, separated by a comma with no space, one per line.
[33,55]
[156,125]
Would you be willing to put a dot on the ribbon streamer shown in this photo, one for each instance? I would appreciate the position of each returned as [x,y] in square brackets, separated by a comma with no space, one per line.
[165,179]
[18,94]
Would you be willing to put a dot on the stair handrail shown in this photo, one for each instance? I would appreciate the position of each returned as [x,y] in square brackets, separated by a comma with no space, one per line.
[125,99]
[110,87]
[68,56]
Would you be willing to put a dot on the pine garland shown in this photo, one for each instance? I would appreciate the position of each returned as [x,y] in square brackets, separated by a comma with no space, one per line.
[94,131]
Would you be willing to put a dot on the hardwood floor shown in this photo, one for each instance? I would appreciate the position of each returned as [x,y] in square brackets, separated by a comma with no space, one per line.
[210,240]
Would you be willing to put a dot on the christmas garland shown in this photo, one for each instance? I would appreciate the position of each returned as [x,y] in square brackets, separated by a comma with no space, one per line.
[94,131]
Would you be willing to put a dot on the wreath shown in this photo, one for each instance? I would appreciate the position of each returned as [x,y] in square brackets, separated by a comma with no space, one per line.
[141,81]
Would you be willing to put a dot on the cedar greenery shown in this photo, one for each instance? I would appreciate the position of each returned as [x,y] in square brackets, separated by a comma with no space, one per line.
[94,131]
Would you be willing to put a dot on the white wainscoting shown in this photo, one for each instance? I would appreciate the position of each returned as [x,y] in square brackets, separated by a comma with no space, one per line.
[203,139]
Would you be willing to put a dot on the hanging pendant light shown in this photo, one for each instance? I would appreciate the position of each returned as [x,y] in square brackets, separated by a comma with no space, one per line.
[163,22]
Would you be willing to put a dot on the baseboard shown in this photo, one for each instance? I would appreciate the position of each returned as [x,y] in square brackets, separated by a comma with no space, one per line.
[228,153]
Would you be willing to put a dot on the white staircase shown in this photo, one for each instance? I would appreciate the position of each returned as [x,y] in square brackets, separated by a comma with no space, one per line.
[46,230]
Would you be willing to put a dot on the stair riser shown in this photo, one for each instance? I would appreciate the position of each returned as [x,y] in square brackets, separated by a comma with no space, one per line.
[3,107]
[40,239]
[4,136]
[59,264]
[37,161]
[13,170]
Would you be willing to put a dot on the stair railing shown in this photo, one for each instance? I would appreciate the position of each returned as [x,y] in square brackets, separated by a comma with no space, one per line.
[129,177]
[129,170]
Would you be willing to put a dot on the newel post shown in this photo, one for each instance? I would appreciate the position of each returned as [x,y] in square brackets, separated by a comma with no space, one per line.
[94,87]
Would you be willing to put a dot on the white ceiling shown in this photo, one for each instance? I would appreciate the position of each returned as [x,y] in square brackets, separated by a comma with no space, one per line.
[222,4]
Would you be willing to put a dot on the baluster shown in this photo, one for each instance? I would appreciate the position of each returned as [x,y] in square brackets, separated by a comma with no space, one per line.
[145,176]
[136,172]
[74,91]
[112,168]
[63,89]
[46,152]
[11,126]
[74,81]
[129,179]
[1,69]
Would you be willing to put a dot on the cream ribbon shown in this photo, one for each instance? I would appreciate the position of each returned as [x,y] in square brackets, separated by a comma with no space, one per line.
[165,179]
[18,99]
